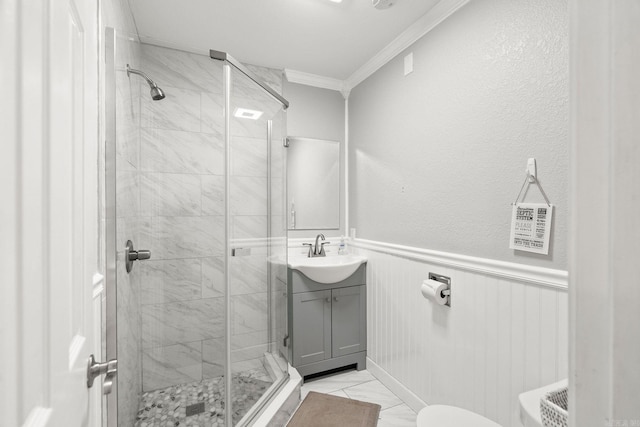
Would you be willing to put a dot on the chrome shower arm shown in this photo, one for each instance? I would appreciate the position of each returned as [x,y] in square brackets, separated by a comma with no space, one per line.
[141,73]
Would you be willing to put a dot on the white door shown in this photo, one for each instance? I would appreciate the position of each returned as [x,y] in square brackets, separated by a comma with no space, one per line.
[49,263]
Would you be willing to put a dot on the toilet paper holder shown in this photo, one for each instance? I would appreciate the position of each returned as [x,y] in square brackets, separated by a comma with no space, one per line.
[447,281]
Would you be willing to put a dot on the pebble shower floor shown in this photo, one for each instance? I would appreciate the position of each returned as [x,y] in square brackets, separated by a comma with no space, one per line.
[168,407]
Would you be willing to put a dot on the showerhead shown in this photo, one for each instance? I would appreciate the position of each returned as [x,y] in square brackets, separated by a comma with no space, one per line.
[156,93]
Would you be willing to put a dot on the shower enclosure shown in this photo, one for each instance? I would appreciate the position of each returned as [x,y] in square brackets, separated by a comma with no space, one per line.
[196,178]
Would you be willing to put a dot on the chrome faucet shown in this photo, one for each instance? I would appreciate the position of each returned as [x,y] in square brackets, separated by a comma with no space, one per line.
[314,251]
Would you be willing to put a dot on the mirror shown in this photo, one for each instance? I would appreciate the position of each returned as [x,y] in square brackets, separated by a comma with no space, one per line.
[313,184]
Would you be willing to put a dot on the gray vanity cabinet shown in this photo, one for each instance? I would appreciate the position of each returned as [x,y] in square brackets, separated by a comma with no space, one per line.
[327,324]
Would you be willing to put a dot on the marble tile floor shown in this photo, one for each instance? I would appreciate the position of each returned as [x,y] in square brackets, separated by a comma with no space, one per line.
[361,385]
[167,407]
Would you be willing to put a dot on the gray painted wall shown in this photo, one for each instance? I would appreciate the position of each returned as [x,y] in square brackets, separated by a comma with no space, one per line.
[317,113]
[437,157]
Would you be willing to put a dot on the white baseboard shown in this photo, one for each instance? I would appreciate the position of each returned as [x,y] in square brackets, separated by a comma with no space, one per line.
[407,396]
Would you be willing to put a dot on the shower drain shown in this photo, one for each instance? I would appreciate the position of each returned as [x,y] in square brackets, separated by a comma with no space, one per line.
[196,408]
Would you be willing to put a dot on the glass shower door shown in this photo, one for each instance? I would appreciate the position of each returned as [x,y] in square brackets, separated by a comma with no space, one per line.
[257,244]
[182,212]
[168,156]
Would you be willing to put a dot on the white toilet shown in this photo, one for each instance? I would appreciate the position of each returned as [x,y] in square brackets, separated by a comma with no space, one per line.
[451,416]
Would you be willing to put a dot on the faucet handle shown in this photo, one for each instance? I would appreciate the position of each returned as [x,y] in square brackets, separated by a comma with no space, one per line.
[310,248]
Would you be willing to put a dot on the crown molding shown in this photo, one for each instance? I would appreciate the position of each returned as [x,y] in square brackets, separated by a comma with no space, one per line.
[418,29]
[300,77]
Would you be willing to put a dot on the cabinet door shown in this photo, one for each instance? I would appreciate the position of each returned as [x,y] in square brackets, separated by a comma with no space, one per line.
[311,327]
[348,315]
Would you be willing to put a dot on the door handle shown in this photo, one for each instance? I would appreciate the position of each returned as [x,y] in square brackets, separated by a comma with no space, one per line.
[131,255]
[95,369]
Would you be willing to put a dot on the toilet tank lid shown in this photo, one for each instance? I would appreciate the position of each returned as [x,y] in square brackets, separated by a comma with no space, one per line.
[451,416]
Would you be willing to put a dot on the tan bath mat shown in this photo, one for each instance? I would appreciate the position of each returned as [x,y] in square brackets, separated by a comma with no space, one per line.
[325,410]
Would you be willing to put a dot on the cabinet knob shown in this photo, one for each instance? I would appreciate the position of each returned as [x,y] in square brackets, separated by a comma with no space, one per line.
[335,298]
[328,299]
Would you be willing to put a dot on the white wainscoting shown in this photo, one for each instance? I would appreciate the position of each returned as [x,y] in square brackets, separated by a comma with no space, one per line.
[505,333]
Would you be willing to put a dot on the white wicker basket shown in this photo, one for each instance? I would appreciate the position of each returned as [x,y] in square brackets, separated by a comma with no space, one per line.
[553,408]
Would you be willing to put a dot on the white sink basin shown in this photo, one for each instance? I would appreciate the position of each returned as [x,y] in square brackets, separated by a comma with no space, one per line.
[329,269]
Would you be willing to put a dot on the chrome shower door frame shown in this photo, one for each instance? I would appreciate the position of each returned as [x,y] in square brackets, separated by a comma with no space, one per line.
[110,307]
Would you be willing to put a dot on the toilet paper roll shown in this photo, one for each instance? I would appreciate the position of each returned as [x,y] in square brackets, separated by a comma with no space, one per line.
[432,290]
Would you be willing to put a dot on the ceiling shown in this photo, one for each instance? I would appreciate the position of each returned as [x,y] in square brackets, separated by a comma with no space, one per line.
[312,36]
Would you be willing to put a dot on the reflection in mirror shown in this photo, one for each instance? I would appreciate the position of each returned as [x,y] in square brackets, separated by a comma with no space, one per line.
[313,184]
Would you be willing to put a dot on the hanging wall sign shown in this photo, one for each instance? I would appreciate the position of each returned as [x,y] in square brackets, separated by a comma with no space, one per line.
[531,227]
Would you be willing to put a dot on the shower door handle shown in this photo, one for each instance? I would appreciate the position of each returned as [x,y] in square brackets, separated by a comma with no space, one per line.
[95,369]
[131,255]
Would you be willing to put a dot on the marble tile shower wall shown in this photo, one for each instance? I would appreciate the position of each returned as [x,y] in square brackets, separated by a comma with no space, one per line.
[181,206]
